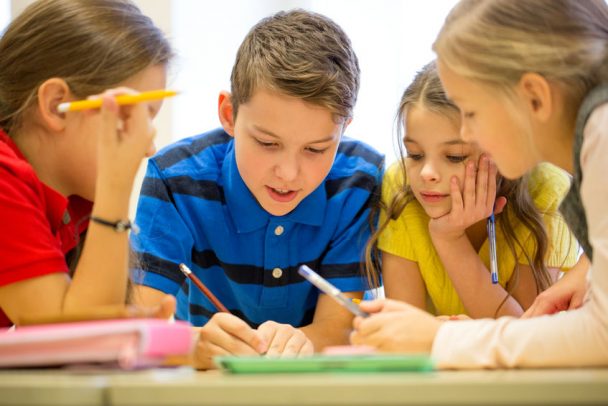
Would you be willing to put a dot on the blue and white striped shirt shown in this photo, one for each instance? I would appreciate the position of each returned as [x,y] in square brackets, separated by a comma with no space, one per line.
[195,208]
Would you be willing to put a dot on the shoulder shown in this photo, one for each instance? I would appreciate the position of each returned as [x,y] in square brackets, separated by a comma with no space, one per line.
[17,177]
[201,152]
[394,179]
[548,185]
[356,156]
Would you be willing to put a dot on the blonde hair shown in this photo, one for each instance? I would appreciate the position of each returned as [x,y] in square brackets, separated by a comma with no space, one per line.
[300,54]
[497,41]
[427,92]
[91,44]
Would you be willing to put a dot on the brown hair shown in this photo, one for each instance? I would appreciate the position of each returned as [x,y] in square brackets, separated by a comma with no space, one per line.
[300,54]
[497,41]
[427,92]
[91,44]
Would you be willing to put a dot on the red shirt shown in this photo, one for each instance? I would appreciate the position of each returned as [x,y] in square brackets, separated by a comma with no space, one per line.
[37,224]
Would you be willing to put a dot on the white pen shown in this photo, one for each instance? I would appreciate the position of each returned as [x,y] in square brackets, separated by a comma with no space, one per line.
[330,290]
[491,225]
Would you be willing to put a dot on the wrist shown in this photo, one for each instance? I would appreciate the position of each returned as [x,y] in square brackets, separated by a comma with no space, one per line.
[439,237]
[114,187]
[120,225]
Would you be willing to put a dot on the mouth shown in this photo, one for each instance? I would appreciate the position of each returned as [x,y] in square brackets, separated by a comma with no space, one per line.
[432,197]
[281,195]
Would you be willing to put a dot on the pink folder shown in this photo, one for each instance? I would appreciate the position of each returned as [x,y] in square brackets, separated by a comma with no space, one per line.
[127,343]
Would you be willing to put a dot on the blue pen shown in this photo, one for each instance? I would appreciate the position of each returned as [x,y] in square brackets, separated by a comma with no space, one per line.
[330,290]
[491,225]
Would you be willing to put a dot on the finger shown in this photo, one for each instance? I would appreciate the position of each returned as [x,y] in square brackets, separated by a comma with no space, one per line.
[374,339]
[284,336]
[458,205]
[307,349]
[483,190]
[356,339]
[109,119]
[370,324]
[575,302]
[166,308]
[490,202]
[469,185]
[231,344]
[204,353]
[241,331]
[372,306]
[499,204]
[268,329]
[137,121]
[294,344]
[383,305]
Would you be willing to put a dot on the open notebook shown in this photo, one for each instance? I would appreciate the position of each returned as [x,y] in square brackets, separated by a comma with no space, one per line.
[126,343]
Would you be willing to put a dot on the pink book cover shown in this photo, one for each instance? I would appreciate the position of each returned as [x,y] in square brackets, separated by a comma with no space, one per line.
[127,343]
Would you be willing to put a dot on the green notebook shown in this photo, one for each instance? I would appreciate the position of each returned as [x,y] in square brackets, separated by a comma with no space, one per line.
[325,363]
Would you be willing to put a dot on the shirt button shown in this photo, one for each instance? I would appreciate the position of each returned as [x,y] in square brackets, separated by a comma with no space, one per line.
[279,230]
[277,273]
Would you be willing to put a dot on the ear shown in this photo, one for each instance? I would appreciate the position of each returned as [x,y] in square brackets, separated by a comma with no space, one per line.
[536,93]
[346,124]
[225,112]
[50,94]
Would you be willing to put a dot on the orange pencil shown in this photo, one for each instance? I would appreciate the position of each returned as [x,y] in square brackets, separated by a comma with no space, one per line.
[218,305]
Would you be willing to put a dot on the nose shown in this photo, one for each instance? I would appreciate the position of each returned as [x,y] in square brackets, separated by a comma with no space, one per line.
[287,168]
[465,132]
[429,172]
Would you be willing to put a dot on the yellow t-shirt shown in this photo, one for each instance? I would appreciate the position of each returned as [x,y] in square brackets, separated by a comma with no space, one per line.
[408,236]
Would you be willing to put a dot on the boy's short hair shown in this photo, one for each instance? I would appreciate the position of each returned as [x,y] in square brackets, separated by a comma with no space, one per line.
[301,54]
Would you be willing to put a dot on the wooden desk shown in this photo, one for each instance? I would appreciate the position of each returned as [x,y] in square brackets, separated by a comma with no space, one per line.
[187,387]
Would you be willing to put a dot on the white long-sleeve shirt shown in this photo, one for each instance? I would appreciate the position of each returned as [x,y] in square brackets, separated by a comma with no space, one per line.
[567,339]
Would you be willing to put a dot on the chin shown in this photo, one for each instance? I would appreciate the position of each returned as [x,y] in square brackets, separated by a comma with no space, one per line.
[278,212]
[436,212]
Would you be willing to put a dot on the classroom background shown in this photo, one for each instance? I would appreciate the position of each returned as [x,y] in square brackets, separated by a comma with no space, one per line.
[392,39]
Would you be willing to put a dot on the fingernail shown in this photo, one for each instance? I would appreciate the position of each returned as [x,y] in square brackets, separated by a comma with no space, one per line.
[262,347]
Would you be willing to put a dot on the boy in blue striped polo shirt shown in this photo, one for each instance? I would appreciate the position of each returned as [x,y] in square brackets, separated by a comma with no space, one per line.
[277,187]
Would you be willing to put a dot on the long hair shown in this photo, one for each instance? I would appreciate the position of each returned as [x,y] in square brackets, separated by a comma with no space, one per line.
[91,44]
[497,41]
[427,92]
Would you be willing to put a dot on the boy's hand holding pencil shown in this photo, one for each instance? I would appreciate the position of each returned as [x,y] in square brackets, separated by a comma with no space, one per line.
[224,333]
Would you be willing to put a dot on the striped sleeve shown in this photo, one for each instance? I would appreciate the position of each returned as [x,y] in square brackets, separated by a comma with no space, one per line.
[164,240]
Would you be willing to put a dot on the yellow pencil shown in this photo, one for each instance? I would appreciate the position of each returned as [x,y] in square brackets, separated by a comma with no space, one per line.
[122,99]
[355,300]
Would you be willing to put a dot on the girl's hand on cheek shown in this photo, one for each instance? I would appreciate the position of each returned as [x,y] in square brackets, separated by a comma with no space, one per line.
[476,201]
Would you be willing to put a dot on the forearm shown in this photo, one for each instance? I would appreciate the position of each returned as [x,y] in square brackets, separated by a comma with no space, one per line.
[471,279]
[102,271]
[325,333]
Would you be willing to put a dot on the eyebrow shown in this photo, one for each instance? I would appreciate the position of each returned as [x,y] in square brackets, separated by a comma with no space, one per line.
[450,142]
[271,134]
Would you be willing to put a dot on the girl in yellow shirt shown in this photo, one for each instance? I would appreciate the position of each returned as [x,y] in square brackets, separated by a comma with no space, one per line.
[432,236]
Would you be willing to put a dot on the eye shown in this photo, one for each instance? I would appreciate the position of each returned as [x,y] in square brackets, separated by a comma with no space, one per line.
[266,144]
[316,150]
[456,158]
[415,157]
[468,114]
